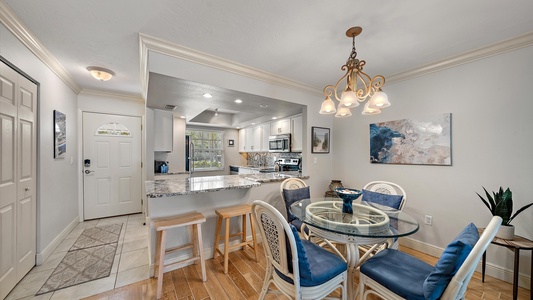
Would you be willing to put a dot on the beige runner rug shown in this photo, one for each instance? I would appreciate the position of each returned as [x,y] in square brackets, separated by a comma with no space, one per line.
[91,257]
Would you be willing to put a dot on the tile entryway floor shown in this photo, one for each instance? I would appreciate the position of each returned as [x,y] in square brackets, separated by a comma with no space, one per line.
[130,264]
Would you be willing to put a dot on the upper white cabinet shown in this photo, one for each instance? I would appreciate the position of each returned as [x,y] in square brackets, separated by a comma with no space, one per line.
[296,134]
[280,127]
[266,134]
[163,130]
[257,138]
[242,140]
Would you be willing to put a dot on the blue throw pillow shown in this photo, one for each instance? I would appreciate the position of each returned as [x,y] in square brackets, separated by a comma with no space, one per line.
[393,201]
[303,261]
[292,196]
[450,261]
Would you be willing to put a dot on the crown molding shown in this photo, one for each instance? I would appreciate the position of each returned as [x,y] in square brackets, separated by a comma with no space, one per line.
[127,97]
[18,29]
[467,57]
[149,43]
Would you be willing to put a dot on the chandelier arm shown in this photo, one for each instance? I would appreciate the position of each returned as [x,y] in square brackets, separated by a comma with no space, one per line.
[362,93]
[327,90]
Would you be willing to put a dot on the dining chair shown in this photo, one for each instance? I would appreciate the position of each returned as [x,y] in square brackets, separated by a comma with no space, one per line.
[292,190]
[392,274]
[387,194]
[298,268]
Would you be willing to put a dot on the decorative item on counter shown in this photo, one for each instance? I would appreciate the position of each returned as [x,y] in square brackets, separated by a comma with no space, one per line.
[348,196]
[164,167]
[332,186]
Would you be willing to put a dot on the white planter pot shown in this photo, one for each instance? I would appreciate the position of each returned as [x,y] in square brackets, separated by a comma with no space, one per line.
[506,232]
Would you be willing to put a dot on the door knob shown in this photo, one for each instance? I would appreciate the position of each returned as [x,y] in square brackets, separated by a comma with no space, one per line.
[88,172]
[26,189]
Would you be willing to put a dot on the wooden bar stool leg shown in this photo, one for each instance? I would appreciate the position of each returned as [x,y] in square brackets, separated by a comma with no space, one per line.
[243,233]
[226,247]
[194,238]
[217,237]
[254,238]
[201,250]
[161,264]
[157,253]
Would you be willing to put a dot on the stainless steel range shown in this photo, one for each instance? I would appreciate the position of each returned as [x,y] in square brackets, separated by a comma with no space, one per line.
[288,164]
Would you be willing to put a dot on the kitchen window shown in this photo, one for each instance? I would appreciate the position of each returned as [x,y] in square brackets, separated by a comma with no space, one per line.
[208,149]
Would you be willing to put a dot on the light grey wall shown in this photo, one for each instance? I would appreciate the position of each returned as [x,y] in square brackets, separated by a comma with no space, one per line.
[491,105]
[57,196]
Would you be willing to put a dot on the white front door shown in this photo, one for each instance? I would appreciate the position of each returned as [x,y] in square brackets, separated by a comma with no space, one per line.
[18,155]
[112,165]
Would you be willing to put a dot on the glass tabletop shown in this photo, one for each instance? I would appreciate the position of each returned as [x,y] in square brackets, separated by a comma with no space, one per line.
[368,219]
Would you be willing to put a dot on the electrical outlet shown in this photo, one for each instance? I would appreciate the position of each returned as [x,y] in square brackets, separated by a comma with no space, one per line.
[428,220]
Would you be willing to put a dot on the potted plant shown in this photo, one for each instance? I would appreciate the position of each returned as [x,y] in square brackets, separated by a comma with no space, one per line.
[501,204]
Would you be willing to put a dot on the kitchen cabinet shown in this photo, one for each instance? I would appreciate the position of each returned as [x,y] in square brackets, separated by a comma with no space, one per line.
[250,139]
[242,140]
[266,134]
[163,130]
[296,134]
[280,127]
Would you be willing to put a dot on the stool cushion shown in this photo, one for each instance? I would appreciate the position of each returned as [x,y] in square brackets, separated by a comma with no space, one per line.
[399,272]
[292,196]
[316,264]
[450,261]
[393,201]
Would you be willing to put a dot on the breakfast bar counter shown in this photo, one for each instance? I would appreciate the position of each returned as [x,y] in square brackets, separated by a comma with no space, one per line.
[171,197]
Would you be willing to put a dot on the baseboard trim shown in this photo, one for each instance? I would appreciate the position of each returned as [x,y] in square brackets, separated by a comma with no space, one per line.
[49,249]
[491,269]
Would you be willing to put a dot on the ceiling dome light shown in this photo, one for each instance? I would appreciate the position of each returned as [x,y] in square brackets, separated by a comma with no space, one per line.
[101,74]
[238,101]
[207,95]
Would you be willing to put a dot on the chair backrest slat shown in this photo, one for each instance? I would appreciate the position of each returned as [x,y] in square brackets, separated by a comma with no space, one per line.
[459,282]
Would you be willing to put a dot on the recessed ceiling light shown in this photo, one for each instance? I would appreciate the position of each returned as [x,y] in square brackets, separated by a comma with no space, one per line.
[182,117]
[238,127]
[253,123]
[274,118]
[238,101]
[207,95]
[263,105]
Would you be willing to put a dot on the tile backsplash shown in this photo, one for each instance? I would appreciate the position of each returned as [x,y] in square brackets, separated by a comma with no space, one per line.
[268,158]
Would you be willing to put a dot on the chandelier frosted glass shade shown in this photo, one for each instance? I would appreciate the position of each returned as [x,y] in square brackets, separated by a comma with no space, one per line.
[328,107]
[359,87]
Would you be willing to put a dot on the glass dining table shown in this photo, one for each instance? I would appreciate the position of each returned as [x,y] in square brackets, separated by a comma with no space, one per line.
[369,224]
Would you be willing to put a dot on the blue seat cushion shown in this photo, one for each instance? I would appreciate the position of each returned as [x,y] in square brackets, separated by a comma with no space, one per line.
[399,272]
[298,224]
[292,196]
[316,264]
[393,201]
[450,261]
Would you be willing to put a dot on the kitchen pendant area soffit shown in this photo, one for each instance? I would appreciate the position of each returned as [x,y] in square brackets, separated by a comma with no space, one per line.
[221,110]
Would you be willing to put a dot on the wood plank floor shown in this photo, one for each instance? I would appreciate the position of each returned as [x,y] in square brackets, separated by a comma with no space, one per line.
[245,280]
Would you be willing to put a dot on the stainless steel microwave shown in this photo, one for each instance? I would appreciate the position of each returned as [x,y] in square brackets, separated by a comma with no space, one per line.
[279,143]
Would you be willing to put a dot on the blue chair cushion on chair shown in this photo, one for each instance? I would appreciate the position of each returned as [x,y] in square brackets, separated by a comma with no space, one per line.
[399,272]
[393,201]
[450,261]
[298,224]
[316,264]
[292,196]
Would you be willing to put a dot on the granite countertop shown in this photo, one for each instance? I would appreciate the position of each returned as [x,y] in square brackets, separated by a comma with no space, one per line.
[175,187]
[171,173]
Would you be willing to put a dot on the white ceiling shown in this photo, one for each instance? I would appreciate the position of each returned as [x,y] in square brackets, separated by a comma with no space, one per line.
[303,40]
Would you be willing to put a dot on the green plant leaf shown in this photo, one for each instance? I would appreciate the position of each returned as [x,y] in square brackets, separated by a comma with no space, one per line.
[486,203]
[520,210]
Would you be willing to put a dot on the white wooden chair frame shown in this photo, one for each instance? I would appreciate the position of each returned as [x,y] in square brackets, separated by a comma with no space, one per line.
[458,284]
[264,212]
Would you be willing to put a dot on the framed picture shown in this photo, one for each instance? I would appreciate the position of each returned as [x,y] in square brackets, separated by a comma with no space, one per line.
[60,134]
[417,141]
[231,143]
[320,140]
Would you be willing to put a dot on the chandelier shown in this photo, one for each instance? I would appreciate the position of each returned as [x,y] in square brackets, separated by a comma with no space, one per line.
[359,87]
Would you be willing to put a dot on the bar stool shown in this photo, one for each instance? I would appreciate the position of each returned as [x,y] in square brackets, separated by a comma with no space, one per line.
[226,214]
[194,219]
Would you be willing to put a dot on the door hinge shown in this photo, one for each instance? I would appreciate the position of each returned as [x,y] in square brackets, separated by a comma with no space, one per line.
[142,202]
[141,165]
[141,127]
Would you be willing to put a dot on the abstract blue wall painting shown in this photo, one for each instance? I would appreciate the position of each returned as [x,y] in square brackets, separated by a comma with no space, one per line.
[420,141]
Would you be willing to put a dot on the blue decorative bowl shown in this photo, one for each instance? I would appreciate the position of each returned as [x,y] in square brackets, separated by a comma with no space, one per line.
[348,196]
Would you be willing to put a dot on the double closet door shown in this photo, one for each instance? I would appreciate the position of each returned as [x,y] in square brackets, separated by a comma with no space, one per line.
[18,155]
